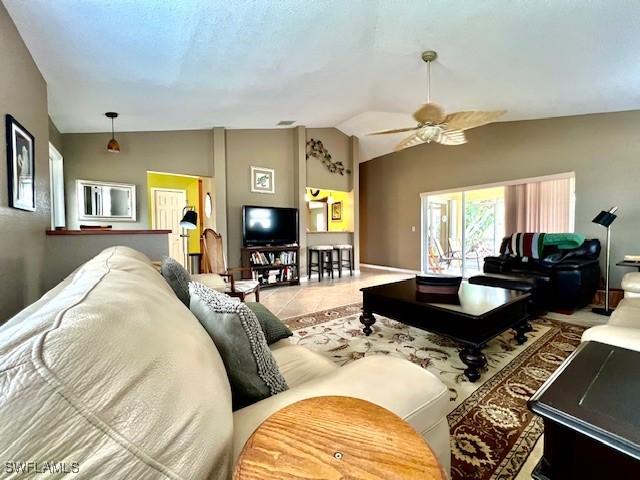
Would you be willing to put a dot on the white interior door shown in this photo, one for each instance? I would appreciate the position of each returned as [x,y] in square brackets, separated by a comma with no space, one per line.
[167,213]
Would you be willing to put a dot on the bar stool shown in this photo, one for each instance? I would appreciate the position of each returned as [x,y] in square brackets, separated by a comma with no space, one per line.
[341,260]
[324,260]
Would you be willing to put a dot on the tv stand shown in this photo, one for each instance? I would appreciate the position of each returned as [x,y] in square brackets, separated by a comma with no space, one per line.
[272,265]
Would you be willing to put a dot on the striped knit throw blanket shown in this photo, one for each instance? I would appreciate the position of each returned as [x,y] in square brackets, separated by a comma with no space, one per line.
[525,245]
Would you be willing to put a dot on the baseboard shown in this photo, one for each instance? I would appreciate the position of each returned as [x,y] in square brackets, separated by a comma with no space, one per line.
[389,269]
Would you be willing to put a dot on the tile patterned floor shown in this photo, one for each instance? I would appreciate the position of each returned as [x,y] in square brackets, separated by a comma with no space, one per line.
[311,296]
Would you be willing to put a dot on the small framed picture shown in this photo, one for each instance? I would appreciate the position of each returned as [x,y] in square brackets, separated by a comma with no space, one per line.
[263,180]
[336,211]
[20,166]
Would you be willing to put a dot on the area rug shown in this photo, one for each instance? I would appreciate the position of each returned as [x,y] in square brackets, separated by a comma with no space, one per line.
[492,431]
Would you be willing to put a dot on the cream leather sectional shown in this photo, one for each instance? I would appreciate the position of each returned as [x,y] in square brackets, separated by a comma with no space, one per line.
[111,372]
[623,327]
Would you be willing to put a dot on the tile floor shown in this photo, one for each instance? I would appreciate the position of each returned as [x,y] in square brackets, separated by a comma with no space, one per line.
[312,296]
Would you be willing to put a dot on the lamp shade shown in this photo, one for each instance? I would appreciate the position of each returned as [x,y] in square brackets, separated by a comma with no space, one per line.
[605,218]
[190,220]
[113,146]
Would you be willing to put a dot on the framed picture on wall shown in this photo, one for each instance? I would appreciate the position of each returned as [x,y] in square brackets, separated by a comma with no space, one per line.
[263,180]
[336,211]
[20,166]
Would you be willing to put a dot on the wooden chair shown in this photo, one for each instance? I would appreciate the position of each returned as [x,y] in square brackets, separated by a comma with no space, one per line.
[214,262]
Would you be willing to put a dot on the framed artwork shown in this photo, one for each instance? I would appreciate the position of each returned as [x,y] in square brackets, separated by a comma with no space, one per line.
[20,166]
[336,211]
[263,180]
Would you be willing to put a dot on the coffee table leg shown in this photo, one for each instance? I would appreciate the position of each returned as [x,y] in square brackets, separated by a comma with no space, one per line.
[475,361]
[521,330]
[367,319]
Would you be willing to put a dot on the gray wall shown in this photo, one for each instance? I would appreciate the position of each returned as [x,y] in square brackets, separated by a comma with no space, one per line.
[318,176]
[188,152]
[23,94]
[55,137]
[602,149]
[259,148]
[337,143]
[193,152]
[65,253]
[276,149]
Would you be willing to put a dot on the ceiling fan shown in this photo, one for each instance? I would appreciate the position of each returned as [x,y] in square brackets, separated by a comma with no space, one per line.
[434,125]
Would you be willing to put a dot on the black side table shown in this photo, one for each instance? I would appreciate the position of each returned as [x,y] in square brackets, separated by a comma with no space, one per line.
[591,412]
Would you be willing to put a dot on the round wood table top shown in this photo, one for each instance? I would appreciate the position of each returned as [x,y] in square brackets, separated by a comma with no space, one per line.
[336,438]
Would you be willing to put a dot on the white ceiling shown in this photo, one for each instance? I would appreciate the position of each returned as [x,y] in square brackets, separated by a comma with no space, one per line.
[188,64]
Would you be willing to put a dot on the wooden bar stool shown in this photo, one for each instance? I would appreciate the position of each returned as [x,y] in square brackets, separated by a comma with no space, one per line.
[348,249]
[323,263]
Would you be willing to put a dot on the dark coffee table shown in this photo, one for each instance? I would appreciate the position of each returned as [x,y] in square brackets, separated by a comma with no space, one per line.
[474,317]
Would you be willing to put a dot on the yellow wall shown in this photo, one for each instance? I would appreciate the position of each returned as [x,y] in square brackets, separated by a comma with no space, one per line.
[178,182]
[346,223]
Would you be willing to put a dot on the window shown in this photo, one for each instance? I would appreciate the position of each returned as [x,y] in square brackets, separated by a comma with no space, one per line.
[461,228]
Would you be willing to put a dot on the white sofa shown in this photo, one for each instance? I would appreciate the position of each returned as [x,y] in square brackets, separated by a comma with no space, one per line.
[623,327]
[111,371]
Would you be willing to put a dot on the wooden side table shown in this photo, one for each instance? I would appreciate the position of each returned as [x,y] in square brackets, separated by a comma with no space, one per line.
[336,438]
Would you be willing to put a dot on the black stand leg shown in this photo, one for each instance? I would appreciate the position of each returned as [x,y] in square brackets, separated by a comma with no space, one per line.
[320,266]
[339,263]
[367,319]
[309,263]
[475,361]
[521,330]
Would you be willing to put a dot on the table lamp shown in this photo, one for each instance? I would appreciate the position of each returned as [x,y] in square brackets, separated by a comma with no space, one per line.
[606,219]
[189,222]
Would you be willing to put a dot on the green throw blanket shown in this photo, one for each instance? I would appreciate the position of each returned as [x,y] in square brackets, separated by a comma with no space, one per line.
[564,241]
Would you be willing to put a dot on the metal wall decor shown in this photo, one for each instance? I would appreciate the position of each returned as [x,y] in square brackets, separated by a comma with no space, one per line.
[316,149]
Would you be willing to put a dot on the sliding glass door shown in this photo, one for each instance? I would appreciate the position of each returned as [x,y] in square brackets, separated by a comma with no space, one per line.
[461,228]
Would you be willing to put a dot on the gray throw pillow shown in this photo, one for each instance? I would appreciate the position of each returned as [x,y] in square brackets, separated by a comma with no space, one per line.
[253,372]
[177,278]
[271,325]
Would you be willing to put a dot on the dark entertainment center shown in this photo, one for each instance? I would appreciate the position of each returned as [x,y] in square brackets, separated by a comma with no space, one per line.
[270,245]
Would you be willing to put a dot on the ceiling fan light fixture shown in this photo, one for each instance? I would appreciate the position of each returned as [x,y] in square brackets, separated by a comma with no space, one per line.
[113,146]
[429,133]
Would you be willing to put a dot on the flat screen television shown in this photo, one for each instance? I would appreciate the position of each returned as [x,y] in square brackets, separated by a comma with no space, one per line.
[269,226]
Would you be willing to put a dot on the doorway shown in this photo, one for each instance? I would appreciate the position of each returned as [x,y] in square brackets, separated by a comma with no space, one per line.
[166,212]
[461,228]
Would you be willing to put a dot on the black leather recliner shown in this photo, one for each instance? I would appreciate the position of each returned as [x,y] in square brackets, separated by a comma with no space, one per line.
[562,280]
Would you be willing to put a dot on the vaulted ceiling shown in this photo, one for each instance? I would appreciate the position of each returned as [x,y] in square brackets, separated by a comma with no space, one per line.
[355,65]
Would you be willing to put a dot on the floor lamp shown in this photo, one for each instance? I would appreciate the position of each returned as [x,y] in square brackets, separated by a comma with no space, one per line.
[189,222]
[606,219]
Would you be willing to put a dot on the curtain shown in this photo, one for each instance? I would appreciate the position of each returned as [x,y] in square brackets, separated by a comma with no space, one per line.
[539,207]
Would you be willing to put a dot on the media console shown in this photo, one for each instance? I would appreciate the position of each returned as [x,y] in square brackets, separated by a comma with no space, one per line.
[272,266]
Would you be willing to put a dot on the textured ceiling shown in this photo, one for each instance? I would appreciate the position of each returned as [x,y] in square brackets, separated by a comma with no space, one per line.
[187,64]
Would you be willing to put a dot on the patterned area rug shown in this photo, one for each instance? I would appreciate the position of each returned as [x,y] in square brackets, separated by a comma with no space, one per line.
[492,431]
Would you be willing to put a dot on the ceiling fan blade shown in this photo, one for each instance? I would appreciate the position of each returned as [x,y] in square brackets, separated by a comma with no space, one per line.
[451,137]
[410,141]
[395,130]
[471,119]
[429,113]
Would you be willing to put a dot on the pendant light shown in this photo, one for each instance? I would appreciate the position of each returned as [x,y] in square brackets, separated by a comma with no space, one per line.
[113,146]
